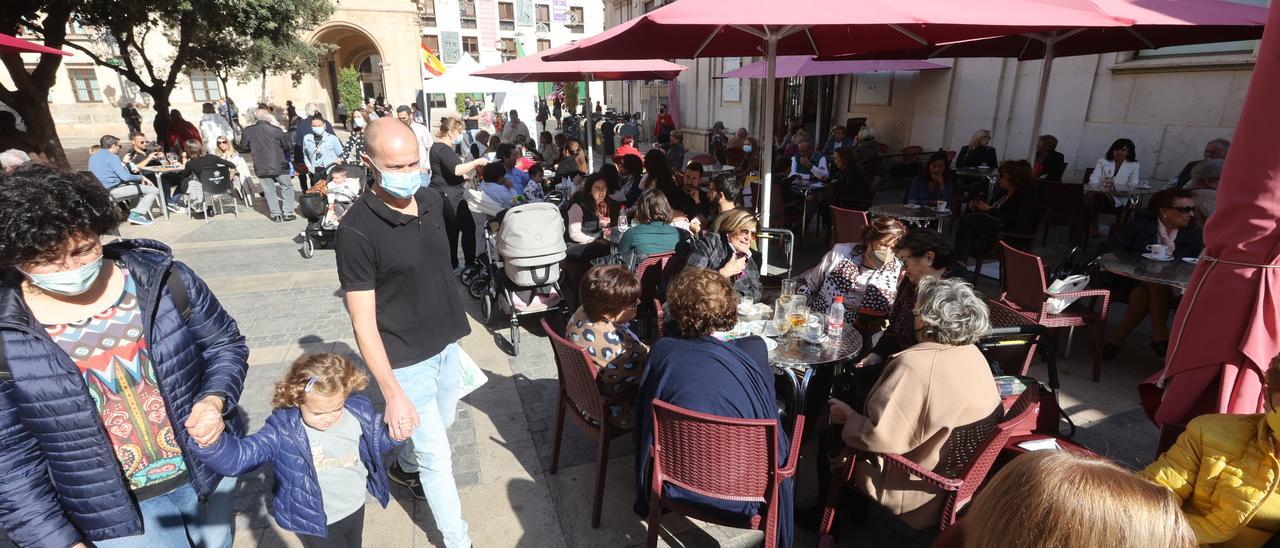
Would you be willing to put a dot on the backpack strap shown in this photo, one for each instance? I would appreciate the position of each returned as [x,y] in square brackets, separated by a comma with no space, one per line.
[178,292]
[5,374]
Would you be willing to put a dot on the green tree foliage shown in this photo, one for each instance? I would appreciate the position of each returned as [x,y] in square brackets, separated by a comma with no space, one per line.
[571,98]
[349,88]
[459,100]
[199,33]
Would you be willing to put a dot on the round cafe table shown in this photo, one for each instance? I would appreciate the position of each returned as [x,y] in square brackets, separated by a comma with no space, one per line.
[797,359]
[1176,273]
[160,171]
[918,216]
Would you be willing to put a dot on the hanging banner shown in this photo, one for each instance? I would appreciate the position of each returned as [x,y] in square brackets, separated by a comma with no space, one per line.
[558,10]
[524,13]
[487,21]
[450,46]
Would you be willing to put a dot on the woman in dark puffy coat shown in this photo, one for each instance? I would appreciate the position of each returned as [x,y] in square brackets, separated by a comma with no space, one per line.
[112,359]
[728,251]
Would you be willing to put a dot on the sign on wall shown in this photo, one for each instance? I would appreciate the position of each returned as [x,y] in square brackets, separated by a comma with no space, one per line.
[558,10]
[524,13]
[730,88]
[873,89]
[450,47]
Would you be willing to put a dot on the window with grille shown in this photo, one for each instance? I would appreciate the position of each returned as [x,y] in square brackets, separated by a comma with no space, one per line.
[575,20]
[436,100]
[544,14]
[204,87]
[508,48]
[433,43]
[471,46]
[429,13]
[84,81]
[544,45]
[467,14]
[506,16]
[74,28]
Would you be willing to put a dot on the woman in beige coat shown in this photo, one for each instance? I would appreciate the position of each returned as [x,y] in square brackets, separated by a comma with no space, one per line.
[925,393]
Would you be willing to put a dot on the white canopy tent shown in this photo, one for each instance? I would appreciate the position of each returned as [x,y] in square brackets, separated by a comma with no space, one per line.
[460,78]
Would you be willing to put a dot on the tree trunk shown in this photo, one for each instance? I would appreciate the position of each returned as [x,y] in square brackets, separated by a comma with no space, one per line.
[262,97]
[160,102]
[40,126]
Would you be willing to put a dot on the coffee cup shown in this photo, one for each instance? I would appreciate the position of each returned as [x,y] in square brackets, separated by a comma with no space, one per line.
[1159,250]
[940,205]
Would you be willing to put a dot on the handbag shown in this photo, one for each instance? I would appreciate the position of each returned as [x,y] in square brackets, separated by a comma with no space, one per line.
[470,376]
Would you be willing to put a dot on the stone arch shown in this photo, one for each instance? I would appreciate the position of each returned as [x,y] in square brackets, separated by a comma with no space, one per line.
[354,44]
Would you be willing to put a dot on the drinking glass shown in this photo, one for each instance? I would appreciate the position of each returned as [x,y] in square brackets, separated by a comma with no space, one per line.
[788,286]
[780,322]
[798,313]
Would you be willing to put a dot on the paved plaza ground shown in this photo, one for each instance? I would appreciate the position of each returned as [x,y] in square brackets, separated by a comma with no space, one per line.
[287,305]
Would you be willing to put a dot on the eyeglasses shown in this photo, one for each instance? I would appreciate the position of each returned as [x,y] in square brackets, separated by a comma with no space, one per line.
[1186,209]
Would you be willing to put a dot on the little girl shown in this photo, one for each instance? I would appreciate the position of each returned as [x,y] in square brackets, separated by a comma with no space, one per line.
[324,442]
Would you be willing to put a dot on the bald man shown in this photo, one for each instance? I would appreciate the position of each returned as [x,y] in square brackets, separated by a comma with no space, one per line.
[393,264]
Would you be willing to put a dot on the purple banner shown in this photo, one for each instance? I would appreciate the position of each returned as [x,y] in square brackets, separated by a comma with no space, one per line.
[558,10]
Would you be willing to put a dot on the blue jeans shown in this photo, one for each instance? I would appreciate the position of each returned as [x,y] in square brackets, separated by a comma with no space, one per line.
[432,388]
[178,518]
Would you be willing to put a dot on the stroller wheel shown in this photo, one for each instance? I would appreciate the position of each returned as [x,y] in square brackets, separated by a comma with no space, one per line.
[515,337]
[488,306]
[478,288]
[308,247]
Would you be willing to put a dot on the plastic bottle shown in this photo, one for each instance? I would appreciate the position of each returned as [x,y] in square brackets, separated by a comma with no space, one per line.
[835,318]
[622,221]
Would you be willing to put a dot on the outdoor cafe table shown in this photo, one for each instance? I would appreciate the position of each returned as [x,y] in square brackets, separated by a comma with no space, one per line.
[914,215]
[1175,273]
[160,171]
[797,359]
[805,187]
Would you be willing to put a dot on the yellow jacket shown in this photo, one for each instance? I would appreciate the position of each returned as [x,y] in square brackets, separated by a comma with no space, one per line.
[1222,469]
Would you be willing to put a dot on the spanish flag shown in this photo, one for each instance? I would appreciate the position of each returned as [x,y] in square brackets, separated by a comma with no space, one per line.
[430,61]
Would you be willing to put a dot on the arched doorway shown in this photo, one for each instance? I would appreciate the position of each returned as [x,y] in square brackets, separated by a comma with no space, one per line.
[355,48]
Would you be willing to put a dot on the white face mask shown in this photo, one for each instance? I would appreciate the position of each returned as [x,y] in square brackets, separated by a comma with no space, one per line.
[68,282]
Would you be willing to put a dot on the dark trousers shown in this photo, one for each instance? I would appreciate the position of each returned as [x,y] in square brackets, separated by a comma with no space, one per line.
[344,533]
[459,225]
[976,233]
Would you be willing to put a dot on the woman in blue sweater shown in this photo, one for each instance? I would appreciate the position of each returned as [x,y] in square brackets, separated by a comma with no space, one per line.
[326,446]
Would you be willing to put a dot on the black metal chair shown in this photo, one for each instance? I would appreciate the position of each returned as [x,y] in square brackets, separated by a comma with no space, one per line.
[215,183]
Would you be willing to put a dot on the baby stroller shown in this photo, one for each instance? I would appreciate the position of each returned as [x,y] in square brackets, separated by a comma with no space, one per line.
[313,206]
[524,249]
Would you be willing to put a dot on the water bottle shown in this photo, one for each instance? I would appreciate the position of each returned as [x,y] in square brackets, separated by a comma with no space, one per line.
[622,220]
[835,318]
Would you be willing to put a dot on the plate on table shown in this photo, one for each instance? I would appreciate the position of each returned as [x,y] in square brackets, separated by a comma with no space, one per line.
[770,344]
[1154,257]
[1191,260]
[913,206]
[946,211]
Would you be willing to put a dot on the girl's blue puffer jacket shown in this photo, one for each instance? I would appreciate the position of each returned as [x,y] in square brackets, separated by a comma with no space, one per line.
[60,481]
[283,442]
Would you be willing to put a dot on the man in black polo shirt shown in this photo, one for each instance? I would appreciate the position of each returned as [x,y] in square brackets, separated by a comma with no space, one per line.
[402,297]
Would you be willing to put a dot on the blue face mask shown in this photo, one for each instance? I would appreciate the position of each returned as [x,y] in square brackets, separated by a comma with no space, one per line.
[458,141]
[68,282]
[399,185]
[317,130]
[747,148]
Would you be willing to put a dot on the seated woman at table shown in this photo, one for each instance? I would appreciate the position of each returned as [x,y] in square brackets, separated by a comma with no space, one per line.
[1074,500]
[978,154]
[591,214]
[1118,169]
[652,233]
[850,187]
[609,295]
[1168,222]
[1049,163]
[1016,209]
[702,373]
[727,250]
[750,157]
[198,161]
[866,275]
[939,385]
[1221,471]
[933,184]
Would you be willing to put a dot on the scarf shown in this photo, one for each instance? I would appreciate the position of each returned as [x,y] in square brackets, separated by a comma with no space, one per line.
[1166,236]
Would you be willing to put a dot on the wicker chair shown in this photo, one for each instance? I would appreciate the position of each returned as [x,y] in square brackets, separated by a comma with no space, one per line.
[1023,241]
[652,272]
[967,457]
[580,395]
[1024,291]
[847,225]
[719,457]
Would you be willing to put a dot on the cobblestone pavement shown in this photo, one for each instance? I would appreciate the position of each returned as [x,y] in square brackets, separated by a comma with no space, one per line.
[287,305]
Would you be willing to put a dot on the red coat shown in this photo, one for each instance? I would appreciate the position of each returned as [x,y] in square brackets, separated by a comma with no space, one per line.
[181,132]
[665,121]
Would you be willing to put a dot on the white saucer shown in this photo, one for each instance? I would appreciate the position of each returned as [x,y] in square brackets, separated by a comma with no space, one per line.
[1191,260]
[913,206]
[941,211]
[1154,257]
[770,344]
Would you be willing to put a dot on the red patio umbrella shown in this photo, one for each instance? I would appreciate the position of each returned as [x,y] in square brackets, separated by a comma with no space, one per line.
[1227,329]
[1156,24]
[536,68]
[714,28]
[802,65]
[11,44]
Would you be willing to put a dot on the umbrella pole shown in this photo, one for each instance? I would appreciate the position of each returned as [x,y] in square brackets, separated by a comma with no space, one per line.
[766,164]
[586,113]
[1046,70]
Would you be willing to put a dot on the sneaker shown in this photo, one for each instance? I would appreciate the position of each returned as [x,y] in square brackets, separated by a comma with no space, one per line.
[174,208]
[276,218]
[410,480]
[290,217]
[138,218]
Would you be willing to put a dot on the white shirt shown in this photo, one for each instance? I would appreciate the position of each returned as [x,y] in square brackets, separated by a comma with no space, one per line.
[1125,178]
[818,168]
[513,128]
[424,145]
[213,126]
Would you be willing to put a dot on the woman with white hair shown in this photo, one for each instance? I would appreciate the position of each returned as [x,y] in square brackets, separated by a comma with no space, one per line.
[978,152]
[928,391]
[11,159]
[1204,184]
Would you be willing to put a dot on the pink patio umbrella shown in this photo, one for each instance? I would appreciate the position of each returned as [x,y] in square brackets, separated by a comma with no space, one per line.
[536,68]
[1227,330]
[10,44]
[790,66]
[1156,24]
[714,28]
